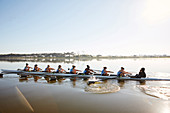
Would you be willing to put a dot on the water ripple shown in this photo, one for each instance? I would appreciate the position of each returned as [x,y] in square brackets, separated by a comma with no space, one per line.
[156,91]
[102,88]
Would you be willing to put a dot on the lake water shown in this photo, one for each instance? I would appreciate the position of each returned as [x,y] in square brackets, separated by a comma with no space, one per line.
[71,96]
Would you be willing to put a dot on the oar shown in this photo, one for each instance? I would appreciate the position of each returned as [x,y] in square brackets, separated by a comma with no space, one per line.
[96,70]
[101,71]
[75,69]
[110,71]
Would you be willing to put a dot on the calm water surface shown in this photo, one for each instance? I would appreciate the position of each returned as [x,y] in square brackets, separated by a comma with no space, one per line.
[69,96]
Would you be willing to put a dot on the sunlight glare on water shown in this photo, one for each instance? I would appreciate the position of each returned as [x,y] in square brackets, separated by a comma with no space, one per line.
[156,91]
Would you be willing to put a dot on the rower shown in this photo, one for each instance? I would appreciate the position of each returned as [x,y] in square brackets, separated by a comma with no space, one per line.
[105,72]
[141,73]
[121,73]
[27,68]
[88,71]
[48,69]
[73,70]
[60,70]
[36,68]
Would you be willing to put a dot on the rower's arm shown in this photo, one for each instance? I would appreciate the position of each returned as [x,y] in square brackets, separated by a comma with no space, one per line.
[91,70]
[128,73]
[30,67]
[63,70]
[110,71]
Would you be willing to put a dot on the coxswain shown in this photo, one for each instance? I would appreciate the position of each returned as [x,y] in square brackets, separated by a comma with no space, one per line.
[105,72]
[88,71]
[141,74]
[121,73]
[27,68]
[60,70]
[48,69]
[73,70]
[36,68]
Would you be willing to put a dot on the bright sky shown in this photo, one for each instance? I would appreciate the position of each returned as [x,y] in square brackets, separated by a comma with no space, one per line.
[106,27]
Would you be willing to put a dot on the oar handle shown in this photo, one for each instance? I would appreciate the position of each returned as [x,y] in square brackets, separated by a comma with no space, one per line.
[110,71]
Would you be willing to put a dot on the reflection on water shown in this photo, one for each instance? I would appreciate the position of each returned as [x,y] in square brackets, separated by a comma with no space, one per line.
[74,84]
[36,78]
[121,83]
[23,79]
[105,86]
[142,82]
[101,87]
[52,81]
[54,60]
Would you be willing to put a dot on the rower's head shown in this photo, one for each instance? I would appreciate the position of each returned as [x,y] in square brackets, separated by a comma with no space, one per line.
[26,64]
[36,65]
[48,65]
[122,68]
[73,66]
[104,67]
[59,66]
[88,66]
[142,69]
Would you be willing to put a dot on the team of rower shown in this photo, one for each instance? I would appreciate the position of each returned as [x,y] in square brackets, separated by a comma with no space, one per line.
[87,71]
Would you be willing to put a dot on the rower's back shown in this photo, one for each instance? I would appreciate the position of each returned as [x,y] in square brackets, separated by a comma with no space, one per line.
[142,73]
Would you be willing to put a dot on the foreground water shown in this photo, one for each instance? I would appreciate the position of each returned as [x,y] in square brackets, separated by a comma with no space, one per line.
[73,96]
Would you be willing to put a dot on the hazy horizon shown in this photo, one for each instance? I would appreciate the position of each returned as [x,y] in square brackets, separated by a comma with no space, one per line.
[110,27]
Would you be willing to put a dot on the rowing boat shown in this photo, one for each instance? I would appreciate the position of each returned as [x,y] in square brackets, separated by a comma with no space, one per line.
[43,74]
